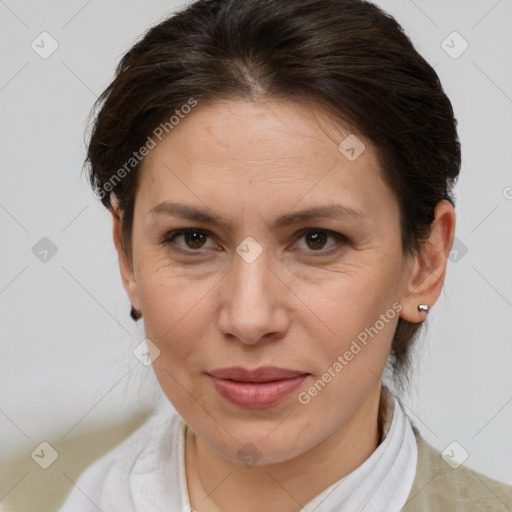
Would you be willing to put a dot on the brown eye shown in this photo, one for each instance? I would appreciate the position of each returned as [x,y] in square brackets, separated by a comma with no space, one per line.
[316,240]
[194,239]
[188,239]
[320,241]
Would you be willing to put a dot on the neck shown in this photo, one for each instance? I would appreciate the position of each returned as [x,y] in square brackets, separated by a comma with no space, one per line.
[220,484]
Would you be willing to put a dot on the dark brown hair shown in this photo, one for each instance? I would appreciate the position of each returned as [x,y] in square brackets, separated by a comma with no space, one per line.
[346,55]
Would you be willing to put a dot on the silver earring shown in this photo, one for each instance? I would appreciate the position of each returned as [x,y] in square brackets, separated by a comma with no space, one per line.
[423,307]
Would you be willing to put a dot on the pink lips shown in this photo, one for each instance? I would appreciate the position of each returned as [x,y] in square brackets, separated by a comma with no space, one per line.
[262,387]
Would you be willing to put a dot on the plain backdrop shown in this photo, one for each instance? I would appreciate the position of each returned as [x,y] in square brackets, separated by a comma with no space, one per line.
[67,339]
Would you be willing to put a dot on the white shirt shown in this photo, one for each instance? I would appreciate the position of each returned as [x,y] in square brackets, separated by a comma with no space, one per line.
[146,472]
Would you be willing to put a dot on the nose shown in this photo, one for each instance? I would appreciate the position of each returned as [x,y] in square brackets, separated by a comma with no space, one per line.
[253,302]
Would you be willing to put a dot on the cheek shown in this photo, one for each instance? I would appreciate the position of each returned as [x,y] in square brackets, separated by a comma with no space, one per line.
[348,302]
[177,313]
[167,295]
[355,318]
[178,323]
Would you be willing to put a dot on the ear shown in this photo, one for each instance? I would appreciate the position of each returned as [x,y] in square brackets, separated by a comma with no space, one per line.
[125,265]
[428,268]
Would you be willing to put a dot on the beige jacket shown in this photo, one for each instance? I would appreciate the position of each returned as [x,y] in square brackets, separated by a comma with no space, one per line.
[439,488]
[25,487]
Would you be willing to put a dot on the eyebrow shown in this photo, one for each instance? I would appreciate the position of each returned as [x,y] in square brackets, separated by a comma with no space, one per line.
[202,215]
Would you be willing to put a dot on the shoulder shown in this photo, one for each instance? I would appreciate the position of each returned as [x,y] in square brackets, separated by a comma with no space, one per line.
[107,482]
[437,486]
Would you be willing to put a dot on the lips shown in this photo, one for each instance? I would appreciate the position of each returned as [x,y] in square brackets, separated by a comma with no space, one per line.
[262,387]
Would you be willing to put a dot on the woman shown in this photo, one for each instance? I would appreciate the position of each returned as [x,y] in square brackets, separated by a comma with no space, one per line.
[280,180]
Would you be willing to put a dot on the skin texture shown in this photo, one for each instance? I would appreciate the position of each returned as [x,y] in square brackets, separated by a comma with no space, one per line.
[293,307]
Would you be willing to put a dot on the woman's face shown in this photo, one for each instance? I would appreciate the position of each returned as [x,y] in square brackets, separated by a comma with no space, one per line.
[262,280]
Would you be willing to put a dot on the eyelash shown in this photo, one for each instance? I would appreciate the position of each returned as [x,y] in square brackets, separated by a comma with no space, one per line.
[168,239]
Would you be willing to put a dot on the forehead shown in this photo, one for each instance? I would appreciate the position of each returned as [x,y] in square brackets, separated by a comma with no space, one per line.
[256,131]
[264,151]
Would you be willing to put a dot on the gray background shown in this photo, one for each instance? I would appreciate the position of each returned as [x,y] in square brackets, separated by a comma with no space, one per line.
[66,336]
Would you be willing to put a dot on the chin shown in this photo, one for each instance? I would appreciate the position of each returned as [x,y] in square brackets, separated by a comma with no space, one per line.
[256,446]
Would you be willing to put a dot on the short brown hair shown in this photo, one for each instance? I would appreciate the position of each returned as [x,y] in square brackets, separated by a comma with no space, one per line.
[346,55]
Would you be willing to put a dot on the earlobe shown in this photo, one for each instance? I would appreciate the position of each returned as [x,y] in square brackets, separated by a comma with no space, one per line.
[125,265]
[427,271]
[136,315]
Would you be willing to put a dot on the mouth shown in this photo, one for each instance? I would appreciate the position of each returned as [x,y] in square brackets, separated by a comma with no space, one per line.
[259,388]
